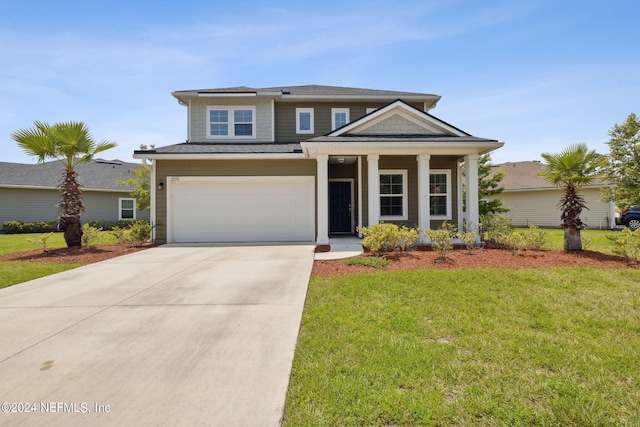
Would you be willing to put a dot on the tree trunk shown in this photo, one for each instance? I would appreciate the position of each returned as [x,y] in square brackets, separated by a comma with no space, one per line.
[572,241]
[71,208]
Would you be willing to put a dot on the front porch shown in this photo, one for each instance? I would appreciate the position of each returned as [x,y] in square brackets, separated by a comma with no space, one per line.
[420,190]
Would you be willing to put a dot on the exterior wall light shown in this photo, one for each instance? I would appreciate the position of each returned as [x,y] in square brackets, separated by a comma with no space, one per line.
[160,185]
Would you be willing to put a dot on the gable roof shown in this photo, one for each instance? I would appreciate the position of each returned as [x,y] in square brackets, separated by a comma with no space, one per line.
[98,175]
[524,176]
[400,126]
[316,92]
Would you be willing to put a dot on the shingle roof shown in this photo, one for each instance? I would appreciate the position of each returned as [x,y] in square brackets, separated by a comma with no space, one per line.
[226,148]
[314,90]
[99,174]
[524,176]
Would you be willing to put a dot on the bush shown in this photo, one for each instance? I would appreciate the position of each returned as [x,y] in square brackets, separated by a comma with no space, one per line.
[110,225]
[90,234]
[139,231]
[626,244]
[380,238]
[494,229]
[516,242]
[442,239]
[42,241]
[532,239]
[408,238]
[19,227]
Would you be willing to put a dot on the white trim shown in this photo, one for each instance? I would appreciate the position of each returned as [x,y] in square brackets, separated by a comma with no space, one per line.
[447,173]
[120,209]
[424,201]
[189,116]
[311,120]
[459,188]
[360,181]
[221,156]
[322,203]
[335,111]
[152,199]
[231,109]
[273,119]
[226,95]
[405,195]
[370,110]
[373,187]
[399,107]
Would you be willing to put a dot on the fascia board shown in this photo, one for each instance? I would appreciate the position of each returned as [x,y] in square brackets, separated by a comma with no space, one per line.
[405,148]
[220,156]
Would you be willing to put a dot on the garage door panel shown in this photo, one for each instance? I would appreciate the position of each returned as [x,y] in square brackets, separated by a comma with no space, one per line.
[237,209]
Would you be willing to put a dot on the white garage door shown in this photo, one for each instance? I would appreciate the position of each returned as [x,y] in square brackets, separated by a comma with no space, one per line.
[241,209]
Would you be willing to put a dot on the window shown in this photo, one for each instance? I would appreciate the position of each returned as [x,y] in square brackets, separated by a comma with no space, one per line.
[339,117]
[393,194]
[440,194]
[127,209]
[304,120]
[234,122]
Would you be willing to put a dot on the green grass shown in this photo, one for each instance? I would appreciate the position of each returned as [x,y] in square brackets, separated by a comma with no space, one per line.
[597,239]
[469,347]
[368,261]
[14,272]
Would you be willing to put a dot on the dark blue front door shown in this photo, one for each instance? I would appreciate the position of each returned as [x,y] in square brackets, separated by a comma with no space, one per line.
[340,207]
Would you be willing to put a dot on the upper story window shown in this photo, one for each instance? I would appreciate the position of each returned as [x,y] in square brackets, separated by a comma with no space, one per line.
[231,122]
[393,194]
[440,194]
[304,120]
[339,117]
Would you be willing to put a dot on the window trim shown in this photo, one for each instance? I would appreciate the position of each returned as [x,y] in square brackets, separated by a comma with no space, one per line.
[405,194]
[231,123]
[447,173]
[120,208]
[334,111]
[311,113]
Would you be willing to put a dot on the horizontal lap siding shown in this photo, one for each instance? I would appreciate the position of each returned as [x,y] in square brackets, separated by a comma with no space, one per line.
[541,208]
[167,168]
[286,117]
[31,205]
[410,163]
[200,121]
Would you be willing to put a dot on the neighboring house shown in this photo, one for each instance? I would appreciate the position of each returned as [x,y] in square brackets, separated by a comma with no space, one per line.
[28,192]
[301,163]
[533,200]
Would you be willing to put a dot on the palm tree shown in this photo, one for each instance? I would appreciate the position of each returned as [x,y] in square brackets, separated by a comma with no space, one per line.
[70,143]
[572,168]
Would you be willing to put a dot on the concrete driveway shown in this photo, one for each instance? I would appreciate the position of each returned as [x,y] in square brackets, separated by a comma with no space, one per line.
[173,335]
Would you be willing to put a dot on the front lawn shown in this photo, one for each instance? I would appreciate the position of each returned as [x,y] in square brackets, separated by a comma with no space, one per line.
[555,346]
[13,272]
[593,240]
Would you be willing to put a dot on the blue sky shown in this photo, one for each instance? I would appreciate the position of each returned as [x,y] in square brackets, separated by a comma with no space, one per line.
[537,75]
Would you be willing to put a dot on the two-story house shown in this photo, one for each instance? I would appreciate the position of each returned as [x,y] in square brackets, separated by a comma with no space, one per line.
[300,163]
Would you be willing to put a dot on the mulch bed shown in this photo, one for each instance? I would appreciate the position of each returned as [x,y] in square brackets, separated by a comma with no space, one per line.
[479,258]
[83,255]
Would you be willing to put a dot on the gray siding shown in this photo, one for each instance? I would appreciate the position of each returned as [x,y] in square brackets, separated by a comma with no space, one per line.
[167,168]
[200,121]
[410,163]
[286,117]
[40,205]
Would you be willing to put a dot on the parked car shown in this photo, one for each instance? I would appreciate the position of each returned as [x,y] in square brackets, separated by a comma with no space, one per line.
[630,217]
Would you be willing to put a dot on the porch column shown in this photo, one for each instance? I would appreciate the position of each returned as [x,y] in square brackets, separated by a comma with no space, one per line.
[471,174]
[323,199]
[374,189]
[424,201]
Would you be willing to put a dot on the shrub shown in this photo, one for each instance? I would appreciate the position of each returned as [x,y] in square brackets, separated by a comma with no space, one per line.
[442,239]
[90,234]
[369,261]
[380,238]
[535,238]
[20,227]
[516,242]
[408,238]
[42,241]
[626,244]
[495,228]
[139,231]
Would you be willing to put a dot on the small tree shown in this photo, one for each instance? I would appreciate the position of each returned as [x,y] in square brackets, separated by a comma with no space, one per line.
[70,143]
[572,168]
[623,169]
[141,183]
[488,187]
